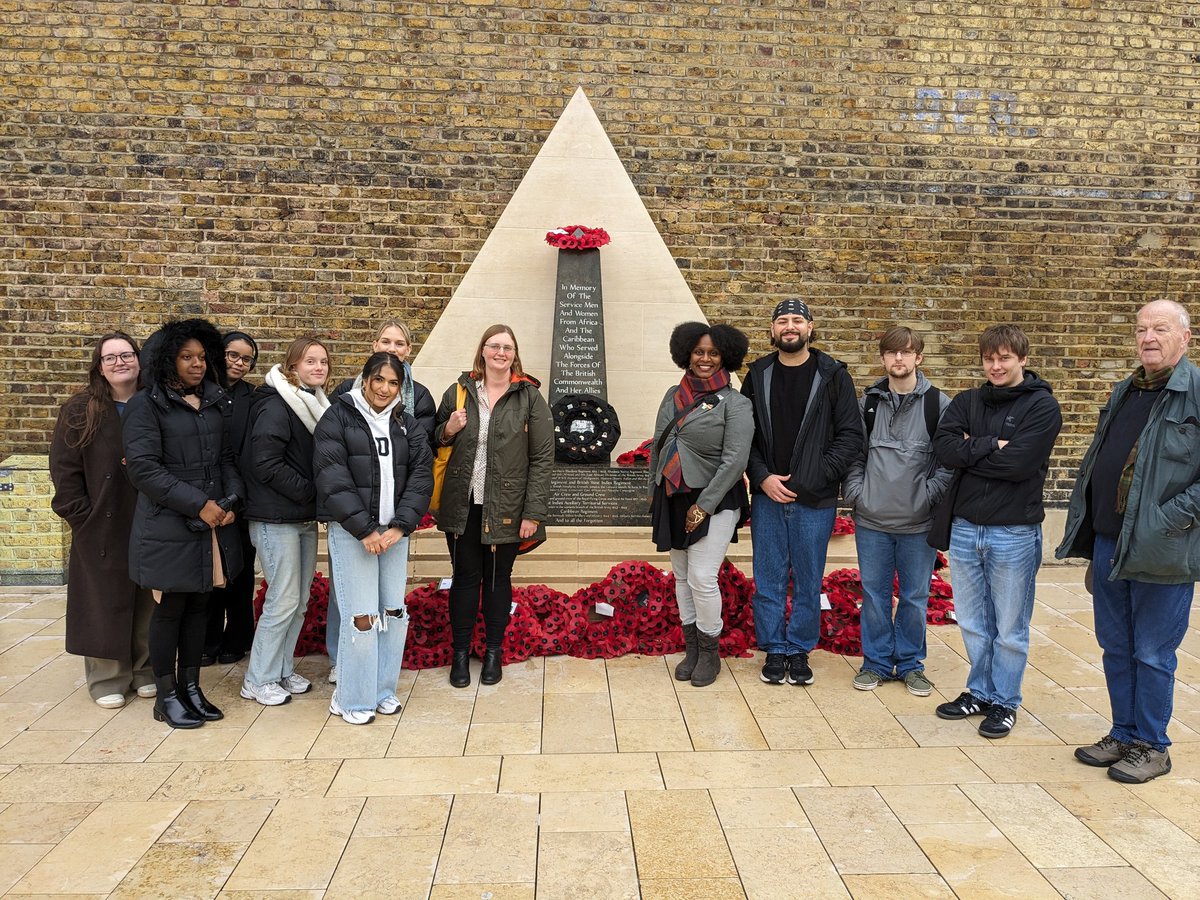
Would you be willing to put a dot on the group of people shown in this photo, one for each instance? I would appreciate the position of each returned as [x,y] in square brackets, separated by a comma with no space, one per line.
[173,472]
[922,472]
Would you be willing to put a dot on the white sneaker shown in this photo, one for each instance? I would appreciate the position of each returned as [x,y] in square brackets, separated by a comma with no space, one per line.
[295,684]
[267,694]
[354,717]
[388,706]
[147,690]
[111,701]
[333,674]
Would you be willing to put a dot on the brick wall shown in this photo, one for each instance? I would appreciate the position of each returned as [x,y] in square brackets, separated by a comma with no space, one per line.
[288,165]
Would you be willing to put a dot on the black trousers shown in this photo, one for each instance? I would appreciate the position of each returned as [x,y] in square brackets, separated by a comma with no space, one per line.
[177,632]
[481,571]
[231,608]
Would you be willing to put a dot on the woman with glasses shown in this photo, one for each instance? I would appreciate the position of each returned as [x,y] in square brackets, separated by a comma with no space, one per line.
[231,608]
[374,477]
[182,543]
[281,506]
[107,614]
[495,493]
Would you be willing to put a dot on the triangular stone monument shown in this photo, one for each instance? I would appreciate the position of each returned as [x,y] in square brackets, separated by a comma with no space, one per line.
[576,179]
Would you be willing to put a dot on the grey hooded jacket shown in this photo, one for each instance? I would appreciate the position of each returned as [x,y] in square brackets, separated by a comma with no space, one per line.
[896,480]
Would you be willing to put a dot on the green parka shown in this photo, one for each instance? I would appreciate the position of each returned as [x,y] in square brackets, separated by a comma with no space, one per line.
[520,455]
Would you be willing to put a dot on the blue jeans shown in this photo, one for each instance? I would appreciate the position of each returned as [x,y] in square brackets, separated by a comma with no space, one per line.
[790,539]
[994,571]
[897,645]
[333,622]
[1139,626]
[288,551]
[370,588]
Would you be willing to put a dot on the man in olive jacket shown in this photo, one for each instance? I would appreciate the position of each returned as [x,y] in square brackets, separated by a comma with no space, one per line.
[1134,512]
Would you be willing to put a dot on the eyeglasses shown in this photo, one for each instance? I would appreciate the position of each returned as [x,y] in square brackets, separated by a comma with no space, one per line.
[499,348]
[110,359]
[232,356]
[899,353]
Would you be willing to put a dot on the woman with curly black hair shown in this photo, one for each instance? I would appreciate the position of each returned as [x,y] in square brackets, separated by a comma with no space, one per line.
[181,461]
[698,494]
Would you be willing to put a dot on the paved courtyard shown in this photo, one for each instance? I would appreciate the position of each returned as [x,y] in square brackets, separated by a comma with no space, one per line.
[577,778]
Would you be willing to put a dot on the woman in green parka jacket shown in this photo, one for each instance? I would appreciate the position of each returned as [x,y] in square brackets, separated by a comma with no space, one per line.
[495,493]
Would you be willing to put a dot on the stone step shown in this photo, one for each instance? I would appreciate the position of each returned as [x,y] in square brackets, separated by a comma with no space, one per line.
[572,558]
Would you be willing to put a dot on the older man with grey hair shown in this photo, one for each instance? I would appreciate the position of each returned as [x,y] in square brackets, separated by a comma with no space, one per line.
[1134,513]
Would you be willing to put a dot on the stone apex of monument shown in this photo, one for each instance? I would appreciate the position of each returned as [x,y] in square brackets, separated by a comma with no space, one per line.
[577,178]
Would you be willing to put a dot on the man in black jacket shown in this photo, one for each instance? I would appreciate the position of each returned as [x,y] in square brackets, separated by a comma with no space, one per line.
[997,438]
[807,433]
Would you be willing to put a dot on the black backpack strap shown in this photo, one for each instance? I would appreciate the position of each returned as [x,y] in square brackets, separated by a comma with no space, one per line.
[933,410]
[870,404]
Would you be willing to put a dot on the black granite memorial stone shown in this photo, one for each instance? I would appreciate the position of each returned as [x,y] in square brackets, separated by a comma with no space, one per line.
[598,495]
[577,348]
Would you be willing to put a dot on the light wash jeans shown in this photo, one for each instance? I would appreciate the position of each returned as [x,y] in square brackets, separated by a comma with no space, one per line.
[893,645]
[790,539]
[994,572]
[369,585]
[696,568]
[288,551]
[1139,626]
[333,621]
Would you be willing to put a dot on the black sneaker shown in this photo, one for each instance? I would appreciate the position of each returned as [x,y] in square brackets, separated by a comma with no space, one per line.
[998,723]
[774,670]
[799,671]
[966,704]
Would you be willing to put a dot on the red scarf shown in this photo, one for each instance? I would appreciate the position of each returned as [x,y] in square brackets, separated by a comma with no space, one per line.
[691,387]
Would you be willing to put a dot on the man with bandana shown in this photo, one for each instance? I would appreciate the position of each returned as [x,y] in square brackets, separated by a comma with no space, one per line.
[1134,513]
[807,433]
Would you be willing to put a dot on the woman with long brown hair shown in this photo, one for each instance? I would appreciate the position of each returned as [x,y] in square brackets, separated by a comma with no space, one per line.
[107,614]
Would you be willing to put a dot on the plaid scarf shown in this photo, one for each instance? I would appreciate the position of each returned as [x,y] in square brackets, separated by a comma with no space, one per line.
[691,387]
[1140,382]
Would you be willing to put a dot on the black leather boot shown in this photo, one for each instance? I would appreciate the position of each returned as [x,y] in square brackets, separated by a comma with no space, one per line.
[687,665]
[460,668]
[172,707]
[708,662]
[189,681]
[493,666]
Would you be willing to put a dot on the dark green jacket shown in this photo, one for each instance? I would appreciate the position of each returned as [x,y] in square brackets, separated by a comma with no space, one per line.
[520,454]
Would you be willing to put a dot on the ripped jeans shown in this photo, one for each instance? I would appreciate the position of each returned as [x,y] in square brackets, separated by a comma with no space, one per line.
[370,598]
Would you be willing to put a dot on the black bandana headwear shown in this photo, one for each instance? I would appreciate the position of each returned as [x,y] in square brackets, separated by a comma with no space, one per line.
[791,308]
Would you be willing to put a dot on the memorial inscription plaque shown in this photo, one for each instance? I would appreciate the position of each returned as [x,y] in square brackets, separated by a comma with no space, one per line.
[599,495]
[577,348]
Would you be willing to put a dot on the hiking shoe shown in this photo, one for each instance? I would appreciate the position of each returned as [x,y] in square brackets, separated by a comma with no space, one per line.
[1140,763]
[295,684]
[866,680]
[966,704]
[918,685]
[388,706]
[774,670]
[1104,752]
[799,671]
[353,716]
[998,722]
[270,694]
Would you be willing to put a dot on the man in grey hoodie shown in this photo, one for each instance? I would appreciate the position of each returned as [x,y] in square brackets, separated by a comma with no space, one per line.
[892,488]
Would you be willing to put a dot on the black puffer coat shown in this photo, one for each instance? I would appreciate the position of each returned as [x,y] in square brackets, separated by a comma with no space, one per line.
[423,409]
[277,463]
[347,470]
[178,458]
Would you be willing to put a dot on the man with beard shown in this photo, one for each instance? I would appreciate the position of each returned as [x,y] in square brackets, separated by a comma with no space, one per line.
[998,438]
[892,488]
[807,433]
[1133,513]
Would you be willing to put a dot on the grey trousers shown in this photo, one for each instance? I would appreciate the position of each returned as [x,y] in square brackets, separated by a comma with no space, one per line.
[696,568]
[119,676]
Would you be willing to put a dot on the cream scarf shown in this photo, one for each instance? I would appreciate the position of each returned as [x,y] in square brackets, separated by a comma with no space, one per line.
[308,407]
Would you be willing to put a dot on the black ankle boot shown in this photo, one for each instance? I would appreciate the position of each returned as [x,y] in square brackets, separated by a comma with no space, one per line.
[172,707]
[189,682]
[460,668]
[708,659]
[493,663]
[687,665]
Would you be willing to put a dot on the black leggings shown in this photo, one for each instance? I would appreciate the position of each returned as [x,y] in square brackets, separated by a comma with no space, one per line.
[478,565]
[177,629]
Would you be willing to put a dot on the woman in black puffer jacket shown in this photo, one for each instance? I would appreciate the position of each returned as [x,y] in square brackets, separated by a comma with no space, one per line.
[374,473]
[179,458]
